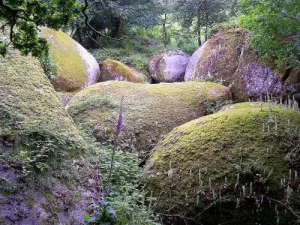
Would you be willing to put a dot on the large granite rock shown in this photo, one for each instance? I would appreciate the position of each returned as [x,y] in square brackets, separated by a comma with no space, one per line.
[115,70]
[150,110]
[42,178]
[76,67]
[225,164]
[227,57]
[168,66]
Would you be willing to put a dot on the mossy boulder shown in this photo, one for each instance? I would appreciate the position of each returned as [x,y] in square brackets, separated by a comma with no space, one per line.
[168,66]
[150,110]
[40,179]
[224,164]
[227,56]
[115,70]
[76,67]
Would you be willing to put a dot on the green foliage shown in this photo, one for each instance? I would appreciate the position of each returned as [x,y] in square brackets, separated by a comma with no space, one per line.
[124,202]
[134,53]
[48,65]
[187,44]
[111,18]
[198,14]
[152,33]
[232,23]
[37,151]
[20,21]
[275,25]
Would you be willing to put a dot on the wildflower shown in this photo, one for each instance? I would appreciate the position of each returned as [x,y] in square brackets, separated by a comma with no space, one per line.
[120,120]
[104,202]
[112,212]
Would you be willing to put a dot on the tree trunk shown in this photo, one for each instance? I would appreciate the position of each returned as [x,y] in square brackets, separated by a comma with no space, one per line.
[165,30]
[206,20]
[199,27]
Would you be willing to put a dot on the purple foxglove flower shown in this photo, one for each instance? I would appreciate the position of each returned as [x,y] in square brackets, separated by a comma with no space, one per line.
[112,212]
[104,202]
[120,120]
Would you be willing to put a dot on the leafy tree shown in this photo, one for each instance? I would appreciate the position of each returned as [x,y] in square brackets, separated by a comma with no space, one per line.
[110,18]
[275,25]
[202,13]
[165,10]
[20,19]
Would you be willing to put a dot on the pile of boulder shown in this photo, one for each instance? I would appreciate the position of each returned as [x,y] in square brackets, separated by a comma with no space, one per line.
[192,158]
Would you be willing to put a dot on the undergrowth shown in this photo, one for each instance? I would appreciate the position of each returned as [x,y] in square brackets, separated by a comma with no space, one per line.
[134,53]
[124,200]
[137,52]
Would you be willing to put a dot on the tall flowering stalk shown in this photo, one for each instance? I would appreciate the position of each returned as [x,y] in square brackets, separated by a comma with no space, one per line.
[118,132]
[120,119]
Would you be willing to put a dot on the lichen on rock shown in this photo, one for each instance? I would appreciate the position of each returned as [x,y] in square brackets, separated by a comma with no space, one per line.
[168,66]
[227,56]
[150,110]
[76,67]
[115,70]
[210,159]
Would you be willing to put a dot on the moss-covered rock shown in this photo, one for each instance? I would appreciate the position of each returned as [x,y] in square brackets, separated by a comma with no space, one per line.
[150,110]
[168,66]
[115,70]
[28,97]
[227,56]
[237,157]
[40,179]
[76,67]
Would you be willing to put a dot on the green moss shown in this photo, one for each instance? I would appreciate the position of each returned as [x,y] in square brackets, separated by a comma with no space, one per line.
[220,60]
[115,70]
[37,135]
[220,146]
[150,110]
[29,103]
[251,105]
[72,73]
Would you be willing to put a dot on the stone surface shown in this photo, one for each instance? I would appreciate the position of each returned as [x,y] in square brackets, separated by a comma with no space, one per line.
[197,164]
[150,110]
[36,133]
[227,57]
[76,67]
[168,66]
[115,70]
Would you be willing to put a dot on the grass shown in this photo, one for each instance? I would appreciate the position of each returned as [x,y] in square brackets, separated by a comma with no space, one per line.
[134,53]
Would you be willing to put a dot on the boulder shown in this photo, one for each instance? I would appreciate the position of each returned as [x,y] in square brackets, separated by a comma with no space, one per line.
[224,164]
[227,57]
[40,180]
[115,70]
[150,110]
[168,66]
[76,67]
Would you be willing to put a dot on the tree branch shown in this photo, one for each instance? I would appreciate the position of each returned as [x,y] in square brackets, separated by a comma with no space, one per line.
[88,25]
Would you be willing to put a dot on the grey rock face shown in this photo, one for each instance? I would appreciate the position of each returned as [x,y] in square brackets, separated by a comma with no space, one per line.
[168,66]
[227,57]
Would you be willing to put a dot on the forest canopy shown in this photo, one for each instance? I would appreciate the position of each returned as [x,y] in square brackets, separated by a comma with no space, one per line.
[274,24]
